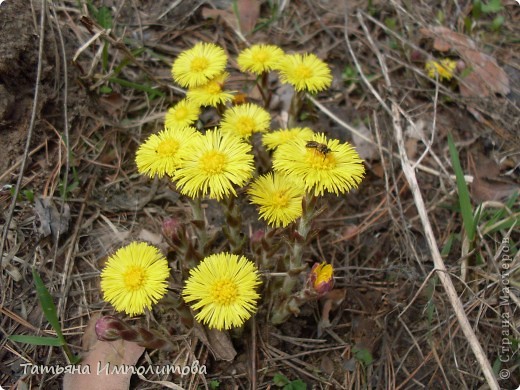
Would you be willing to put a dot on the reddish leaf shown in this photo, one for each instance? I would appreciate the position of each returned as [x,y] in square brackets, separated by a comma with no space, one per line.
[248,13]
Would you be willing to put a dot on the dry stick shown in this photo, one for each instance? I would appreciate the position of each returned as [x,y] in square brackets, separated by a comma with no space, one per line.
[29,137]
[66,280]
[437,259]
[66,133]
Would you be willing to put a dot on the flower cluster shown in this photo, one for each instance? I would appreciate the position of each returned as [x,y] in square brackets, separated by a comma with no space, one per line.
[218,161]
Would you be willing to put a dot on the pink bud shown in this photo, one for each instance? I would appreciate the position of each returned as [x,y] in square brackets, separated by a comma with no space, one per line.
[171,228]
[257,236]
[108,328]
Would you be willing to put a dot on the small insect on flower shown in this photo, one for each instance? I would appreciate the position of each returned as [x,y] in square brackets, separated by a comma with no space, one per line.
[322,148]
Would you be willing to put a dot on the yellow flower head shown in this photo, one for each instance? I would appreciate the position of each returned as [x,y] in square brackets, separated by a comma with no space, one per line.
[211,93]
[321,164]
[259,58]
[245,119]
[214,165]
[443,68]
[223,287]
[321,278]
[279,198]
[305,72]
[279,137]
[183,114]
[196,66]
[134,278]
[160,154]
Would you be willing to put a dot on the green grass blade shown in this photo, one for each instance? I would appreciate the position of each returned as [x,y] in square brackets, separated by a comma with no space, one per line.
[49,309]
[464,200]
[36,340]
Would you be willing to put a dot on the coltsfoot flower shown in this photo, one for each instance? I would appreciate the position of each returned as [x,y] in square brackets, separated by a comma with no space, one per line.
[214,165]
[198,65]
[161,153]
[321,164]
[320,278]
[183,114]
[443,68]
[279,198]
[305,72]
[223,289]
[279,137]
[245,119]
[134,278]
[211,93]
[259,58]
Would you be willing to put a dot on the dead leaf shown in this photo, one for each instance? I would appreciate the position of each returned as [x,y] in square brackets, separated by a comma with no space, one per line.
[487,185]
[164,384]
[218,342]
[366,150]
[227,16]
[487,189]
[445,39]
[152,238]
[486,76]
[248,13]
[50,220]
[101,353]
[89,337]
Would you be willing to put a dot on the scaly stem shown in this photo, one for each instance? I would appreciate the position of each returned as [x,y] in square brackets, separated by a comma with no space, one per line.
[288,304]
[294,109]
[200,225]
[233,229]
[302,232]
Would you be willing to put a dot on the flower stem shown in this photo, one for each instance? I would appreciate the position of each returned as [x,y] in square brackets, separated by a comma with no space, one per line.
[302,232]
[288,304]
[294,109]
[233,228]
[200,225]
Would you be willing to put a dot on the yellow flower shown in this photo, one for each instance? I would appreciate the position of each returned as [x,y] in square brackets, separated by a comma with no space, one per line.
[444,68]
[160,154]
[196,66]
[245,119]
[259,58]
[336,169]
[279,198]
[223,286]
[183,114]
[134,278]
[211,93]
[305,72]
[321,278]
[213,165]
[279,137]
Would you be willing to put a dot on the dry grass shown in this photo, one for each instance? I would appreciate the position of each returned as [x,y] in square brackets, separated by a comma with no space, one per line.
[384,240]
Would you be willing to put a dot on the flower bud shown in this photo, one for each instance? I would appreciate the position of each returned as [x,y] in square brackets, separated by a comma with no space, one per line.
[108,328]
[257,236]
[170,229]
[321,278]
